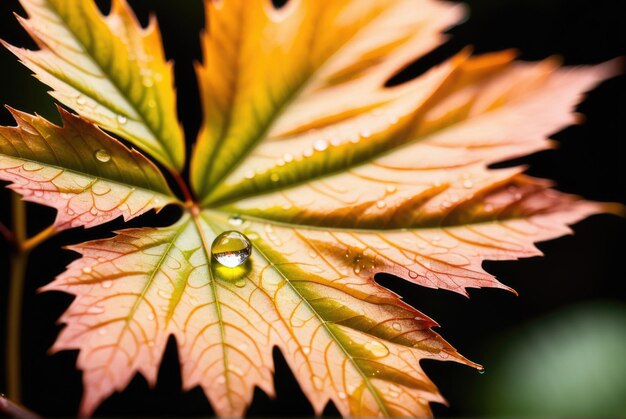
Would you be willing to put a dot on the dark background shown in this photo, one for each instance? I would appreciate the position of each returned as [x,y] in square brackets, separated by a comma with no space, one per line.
[585,270]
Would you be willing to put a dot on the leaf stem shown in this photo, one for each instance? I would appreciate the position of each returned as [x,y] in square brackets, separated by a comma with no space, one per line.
[183,186]
[14,410]
[6,233]
[32,242]
[17,266]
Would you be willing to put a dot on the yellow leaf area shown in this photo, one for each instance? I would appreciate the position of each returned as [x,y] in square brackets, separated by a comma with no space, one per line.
[109,70]
[331,175]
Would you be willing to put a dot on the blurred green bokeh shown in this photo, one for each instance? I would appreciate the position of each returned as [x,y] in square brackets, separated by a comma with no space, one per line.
[570,363]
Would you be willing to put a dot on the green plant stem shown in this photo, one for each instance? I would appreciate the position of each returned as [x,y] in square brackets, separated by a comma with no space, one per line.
[17,266]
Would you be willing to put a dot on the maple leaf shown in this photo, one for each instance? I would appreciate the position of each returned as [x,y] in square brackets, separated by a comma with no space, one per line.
[332,177]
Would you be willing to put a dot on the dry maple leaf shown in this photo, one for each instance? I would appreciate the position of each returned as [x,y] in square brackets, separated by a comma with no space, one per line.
[332,176]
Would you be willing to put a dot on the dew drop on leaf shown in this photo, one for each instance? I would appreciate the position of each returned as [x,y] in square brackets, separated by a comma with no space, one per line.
[87,270]
[231,249]
[377,349]
[318,382]
[235,220]
[121,119]
[96,309]
[320,145]
[31,167]
[102,155]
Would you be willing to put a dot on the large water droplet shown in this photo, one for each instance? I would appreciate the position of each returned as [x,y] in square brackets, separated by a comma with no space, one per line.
[102,155]
[231,248]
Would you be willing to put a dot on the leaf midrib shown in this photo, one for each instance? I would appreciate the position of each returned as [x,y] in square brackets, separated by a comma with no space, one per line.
[95,177]
[289,99]
[330,333]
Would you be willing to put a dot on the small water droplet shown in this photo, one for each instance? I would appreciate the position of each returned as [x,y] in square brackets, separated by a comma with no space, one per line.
[152,103]
[31,167]
[274,177]
[481,370]
[376,348]
[381,204]
[151,316]
[341,395]
[320,145]
[306,350]
[235,220]
[249,174]
[365,133]
[173,263]
[468,184]
[121,119]
[288,158]
[93,211]
[396,326]
[413,275]
[38,193]
[231,249]
[391,189]
[241,283]
[318,382]
[164,294]
[86,269]
[96,309]
[80,100]
[102,155]
[107,284]
[147,81]
[307,152]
